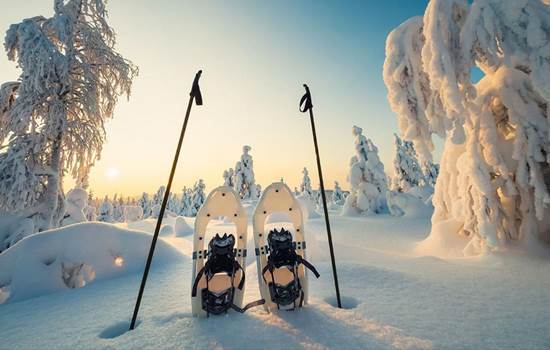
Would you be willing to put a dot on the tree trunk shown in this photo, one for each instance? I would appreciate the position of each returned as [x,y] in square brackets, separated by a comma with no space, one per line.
[51,203]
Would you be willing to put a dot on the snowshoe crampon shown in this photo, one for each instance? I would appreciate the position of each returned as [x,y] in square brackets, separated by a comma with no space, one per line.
[218,276]
[281,258]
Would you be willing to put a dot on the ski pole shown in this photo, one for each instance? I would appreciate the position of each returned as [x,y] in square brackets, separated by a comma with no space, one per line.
[196,95]
[308,106]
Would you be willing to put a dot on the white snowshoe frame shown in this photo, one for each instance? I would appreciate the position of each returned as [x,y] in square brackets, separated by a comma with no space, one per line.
[221,202]
[277,198]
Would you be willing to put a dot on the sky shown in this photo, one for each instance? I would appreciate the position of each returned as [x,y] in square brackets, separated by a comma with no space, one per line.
[255,56]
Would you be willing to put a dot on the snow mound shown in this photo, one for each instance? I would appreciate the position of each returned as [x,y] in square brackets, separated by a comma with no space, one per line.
[308,208]
[167,230]
[182,228]
[408,205]
[444,242]
[72,256]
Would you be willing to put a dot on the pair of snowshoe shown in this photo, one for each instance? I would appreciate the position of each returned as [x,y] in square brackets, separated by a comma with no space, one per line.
[218,274]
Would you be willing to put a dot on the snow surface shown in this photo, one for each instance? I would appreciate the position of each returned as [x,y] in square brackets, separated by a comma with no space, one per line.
[394,299]
[36,264]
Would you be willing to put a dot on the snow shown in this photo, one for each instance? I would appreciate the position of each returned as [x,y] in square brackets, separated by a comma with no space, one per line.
[75,203]
[495,164]
[34,266]
[395,298]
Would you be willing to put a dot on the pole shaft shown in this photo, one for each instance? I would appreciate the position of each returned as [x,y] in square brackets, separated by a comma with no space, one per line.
[327,221]
[161,215]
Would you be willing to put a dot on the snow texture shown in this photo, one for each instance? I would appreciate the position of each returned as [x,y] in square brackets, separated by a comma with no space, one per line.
[393,299]
[72,256]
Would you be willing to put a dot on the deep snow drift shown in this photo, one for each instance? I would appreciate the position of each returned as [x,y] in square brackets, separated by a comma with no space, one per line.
[394,299]
[73,256]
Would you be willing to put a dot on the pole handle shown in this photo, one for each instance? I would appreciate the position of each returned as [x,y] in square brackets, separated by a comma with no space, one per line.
[306,101]
[196,90]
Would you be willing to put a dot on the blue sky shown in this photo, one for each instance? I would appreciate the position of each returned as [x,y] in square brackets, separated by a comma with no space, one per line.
[255,56]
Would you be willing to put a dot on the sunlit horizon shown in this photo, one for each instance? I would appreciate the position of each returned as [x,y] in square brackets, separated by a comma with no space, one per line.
[255,57]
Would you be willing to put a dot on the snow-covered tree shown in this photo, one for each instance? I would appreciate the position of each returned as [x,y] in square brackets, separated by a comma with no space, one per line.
[118,208]
[337,194]
[76,203]
[305,186]
[495,169]
[52,119]
[228,177]
[158,197]
[367,179]
[186,204]
[173,203]
[198,198]
[90,212]
[106,211]
[406,168]
[245,184]
[145,203]
[258,190]
[430,171]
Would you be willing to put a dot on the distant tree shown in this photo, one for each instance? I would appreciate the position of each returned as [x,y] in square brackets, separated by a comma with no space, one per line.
[406,168]
[145,203]
[106,211]
[186,203]
[228,177]
[431,172]
[305,186]
[337,194]
[198,198]
[245,183]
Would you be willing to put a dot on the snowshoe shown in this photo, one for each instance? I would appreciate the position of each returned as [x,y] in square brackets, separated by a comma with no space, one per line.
[218,274]
[280,257]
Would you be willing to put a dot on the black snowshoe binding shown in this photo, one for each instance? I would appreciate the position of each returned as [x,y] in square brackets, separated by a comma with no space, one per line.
[221,260]
[283,256]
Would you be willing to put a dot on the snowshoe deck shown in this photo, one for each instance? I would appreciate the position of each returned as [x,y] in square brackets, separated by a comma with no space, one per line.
[221,202]
[277,198]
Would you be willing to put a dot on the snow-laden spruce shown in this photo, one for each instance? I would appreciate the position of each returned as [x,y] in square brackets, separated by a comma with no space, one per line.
[367,179]
[52,119]
[305,186]
[338,197]
[492,187]
[244,181]
[186,203]
[106,211]
[430,171]
[407,172]
[198,197]
[145,203]
[228,176]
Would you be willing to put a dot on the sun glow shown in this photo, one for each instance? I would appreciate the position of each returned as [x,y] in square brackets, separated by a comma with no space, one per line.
[112,173]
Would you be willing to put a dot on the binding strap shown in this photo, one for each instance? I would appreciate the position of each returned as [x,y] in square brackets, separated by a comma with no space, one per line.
[248,306]
[237,266]
[299,260]
[308,265]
